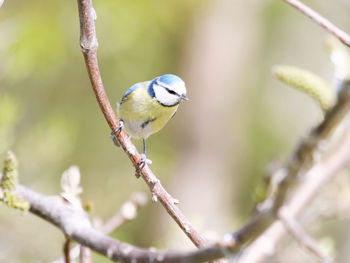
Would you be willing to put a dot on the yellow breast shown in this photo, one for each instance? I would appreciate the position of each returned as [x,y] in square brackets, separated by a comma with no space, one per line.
[142,114]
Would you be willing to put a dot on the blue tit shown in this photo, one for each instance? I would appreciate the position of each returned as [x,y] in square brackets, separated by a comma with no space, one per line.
[147,106]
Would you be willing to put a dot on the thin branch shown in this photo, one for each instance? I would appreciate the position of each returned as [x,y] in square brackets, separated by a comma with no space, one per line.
[305,240]
[316,177]
[127,212]
[340,34]
[66,250]
[89,44]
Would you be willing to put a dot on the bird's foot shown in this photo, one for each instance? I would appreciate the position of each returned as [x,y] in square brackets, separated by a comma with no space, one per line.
[115,131]
[144,161]
[142,164]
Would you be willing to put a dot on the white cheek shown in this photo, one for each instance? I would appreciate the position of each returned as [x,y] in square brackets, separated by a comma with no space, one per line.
[180,88]
[164,97]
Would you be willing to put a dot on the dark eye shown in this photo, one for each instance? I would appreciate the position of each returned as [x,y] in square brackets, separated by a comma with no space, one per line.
[171,91]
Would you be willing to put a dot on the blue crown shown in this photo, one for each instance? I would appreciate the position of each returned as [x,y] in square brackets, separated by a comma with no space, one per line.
[169,79]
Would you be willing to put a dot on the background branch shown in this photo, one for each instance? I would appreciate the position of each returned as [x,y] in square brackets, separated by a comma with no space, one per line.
[66,250]
[304,239]
[85,254]
[89,44]
[310,150]
[325,23]
[127,212]
[315,178]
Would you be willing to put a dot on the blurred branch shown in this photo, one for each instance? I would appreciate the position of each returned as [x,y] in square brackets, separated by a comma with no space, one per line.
[305,240]
[85,254]
[127,212]
[315,178]
[340,34]
[66,250]
[310,150]
[89,44]
[340,57]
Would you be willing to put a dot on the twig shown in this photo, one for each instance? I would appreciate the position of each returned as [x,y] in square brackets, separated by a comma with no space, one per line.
[305,240]
[89,44]
[127,212]
[66,249]
[340,34]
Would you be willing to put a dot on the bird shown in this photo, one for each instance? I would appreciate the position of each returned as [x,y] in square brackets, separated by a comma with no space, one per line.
[147,106]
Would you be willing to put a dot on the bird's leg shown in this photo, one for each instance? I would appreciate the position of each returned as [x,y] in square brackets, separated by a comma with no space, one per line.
[115,131]
[144,147]
[143,155]
[144,160]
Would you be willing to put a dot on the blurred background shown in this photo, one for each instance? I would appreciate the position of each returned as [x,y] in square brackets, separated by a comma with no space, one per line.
[211,156]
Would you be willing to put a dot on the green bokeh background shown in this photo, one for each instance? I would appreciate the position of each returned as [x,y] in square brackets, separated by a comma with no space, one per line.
[49,116]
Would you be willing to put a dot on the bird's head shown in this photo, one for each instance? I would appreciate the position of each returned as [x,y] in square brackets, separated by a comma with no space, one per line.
[169,90]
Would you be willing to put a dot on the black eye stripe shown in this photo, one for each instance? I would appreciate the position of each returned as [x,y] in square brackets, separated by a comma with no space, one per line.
[168,90]
[171,91]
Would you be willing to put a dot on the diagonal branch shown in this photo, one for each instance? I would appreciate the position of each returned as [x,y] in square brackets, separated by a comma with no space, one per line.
[329,26]
[89,44]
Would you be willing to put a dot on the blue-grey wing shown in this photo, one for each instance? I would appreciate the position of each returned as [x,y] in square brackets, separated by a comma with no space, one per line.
[130,90]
